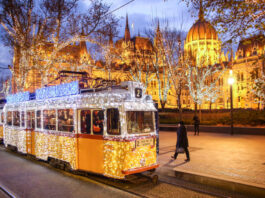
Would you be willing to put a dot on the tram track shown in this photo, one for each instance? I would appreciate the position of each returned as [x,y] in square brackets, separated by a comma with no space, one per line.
[137,185]
[5,193]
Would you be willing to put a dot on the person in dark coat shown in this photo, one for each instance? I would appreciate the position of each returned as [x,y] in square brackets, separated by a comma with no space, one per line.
[182,141]
[196,125]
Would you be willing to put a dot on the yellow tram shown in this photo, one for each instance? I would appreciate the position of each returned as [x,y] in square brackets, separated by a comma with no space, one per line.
[108,131]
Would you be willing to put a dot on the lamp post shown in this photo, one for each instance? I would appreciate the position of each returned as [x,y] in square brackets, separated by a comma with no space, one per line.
[231,81]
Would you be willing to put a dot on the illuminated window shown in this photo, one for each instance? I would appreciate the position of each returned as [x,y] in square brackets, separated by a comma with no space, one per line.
[16,118]
[22,119]
[31,119]
[66,120]
[254,51]
[98,121]
[9,118]
[86,121]
[39,119]
[139,122]
[113,121]
[49,119]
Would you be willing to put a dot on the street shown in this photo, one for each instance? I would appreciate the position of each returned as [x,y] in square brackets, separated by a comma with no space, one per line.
[236,158]
[25,178]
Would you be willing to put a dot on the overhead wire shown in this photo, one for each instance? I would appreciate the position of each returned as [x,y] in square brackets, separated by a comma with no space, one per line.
[120,7]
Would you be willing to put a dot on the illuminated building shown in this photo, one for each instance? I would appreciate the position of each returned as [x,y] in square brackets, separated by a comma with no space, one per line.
[201,41]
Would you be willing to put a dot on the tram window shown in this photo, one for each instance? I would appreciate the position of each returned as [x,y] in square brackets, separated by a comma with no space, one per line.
[38,119]
[22,119]
[66,120]
[49,119]
[9,118]
[98,120]
[113,121]
[86,121]
[16,118]
[140,122]
[31,119]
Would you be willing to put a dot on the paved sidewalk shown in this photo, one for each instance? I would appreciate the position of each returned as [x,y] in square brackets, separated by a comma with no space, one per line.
[239,158]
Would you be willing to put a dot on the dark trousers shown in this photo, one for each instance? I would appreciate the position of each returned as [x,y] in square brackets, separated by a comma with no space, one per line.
[196,129]
[186,151]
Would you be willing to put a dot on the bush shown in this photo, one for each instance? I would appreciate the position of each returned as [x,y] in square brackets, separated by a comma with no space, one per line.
[241,117]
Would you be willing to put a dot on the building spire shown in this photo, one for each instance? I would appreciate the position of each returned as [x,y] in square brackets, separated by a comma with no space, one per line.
[127,35]
[201,13]
[158,27]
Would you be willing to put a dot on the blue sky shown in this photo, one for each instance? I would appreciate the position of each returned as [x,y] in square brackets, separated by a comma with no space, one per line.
[141,14]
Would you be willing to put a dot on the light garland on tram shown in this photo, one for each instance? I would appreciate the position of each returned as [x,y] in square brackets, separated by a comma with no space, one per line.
[120,154]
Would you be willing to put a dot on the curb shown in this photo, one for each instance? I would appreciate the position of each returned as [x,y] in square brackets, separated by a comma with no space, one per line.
[216,129]
[231,186]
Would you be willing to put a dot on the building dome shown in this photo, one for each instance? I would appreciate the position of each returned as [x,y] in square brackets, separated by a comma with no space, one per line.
[202,43]
[201,30]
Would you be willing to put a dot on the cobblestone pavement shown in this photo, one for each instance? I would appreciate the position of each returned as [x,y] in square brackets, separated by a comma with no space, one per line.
[239,158]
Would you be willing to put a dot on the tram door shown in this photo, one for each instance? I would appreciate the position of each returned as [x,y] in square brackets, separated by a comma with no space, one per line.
[90,140]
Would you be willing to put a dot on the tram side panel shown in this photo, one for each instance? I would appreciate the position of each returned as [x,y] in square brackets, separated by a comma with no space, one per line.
[57,146]
[15,137]
[90,153]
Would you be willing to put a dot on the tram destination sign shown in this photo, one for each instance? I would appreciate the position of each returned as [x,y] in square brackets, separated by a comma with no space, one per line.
[144,142]
[138,93]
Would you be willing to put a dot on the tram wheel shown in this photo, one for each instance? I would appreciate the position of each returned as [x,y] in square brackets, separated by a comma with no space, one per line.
[155,179]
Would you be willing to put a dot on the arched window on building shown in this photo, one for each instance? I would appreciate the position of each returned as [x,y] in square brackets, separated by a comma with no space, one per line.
[254,51]
[238,77]
[240,54]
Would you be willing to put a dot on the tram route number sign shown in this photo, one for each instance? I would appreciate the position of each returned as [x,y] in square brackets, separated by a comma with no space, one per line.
[144,142]
[138,93]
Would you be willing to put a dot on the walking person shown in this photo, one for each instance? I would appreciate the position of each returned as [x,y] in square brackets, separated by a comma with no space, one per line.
[182,141]
[196,125]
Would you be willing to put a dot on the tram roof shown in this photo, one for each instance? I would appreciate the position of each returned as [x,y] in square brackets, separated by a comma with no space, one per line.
[72,88]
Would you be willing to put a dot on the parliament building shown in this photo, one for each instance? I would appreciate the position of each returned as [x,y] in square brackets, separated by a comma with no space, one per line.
[139,52]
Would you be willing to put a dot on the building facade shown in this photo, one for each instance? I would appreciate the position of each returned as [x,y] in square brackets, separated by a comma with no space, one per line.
[137,58]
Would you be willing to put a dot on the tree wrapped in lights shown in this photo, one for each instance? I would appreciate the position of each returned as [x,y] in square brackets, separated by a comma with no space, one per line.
[32,25]
[259,88]
[175,63]
[6,85]
[168,50]
[201,84]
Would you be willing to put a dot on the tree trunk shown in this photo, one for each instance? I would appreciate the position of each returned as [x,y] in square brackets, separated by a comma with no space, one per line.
[196,109]
[179,106]
[163,104]
[200,115]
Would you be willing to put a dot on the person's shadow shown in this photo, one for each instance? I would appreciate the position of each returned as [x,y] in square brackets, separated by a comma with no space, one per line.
[170,164]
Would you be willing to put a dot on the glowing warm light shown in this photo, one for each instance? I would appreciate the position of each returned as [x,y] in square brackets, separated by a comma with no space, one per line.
[231,80]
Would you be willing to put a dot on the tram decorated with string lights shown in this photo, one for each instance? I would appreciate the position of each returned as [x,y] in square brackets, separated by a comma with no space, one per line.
[109,131]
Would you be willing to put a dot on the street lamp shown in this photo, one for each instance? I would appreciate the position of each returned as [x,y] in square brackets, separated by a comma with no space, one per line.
[231,81]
